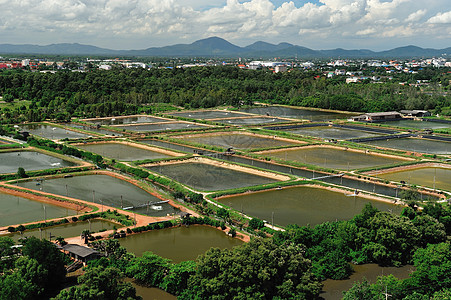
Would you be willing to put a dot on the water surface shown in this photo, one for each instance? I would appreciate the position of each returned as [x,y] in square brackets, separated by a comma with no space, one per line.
[439,178]
[125,120]
[251,121]
[122,152]
[329,132]
[161,127]
[415,145]
[418,124]
[30,161]
[207,114]
[297,113]
[52,132]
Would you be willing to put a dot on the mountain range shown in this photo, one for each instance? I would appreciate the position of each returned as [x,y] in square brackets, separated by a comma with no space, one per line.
[218,47]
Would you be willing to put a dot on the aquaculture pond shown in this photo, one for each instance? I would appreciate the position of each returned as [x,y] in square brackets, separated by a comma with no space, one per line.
[126,120]
[15,210]
[67,230]
[150,293]
[251,121]
[123,152]
[297,113]
[161,127]
[415,145]
[206,177]
[418,124]
[52,132]
[333,289]
[207,114]
[329,132]
[333,158]
[103,189]
[302,205]
[439,178]
[179,243]
[237,140]
[93,129]
[30,161]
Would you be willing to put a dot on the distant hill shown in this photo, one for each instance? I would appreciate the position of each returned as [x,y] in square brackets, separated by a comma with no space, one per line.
[218,47]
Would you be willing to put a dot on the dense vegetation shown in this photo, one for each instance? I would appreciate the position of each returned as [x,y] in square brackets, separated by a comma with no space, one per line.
[105,93]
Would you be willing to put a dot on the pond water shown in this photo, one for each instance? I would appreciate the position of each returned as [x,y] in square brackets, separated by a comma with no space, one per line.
[125,120]
[67,230]
[206,177]
[96,130]
[414,144]
[333,289]
[150,293]
[30,161]
[122,152]
[161,127]
[52,132]
[329,132]
[16,210]
[207,114]
[179,243]
[237,141]
[302,205]
[333,158]
[418,124]
[297,113]
[104,189]
[251,121]
[429,176]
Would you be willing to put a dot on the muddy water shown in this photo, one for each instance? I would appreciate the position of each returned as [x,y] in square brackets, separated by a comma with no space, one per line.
[180,243]
[333,158]
[416,145]
[207,177]
[430,177]
[297,113]
[103,189]
[150,293]
[30,161]
[122,152]
[17,210]
[302,205]
[327,132]
[52,132]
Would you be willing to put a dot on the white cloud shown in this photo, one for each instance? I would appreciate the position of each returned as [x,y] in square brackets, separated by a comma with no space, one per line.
[416,16]
[441,18]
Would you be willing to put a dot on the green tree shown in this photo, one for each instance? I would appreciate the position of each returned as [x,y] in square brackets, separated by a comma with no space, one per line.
[21,173]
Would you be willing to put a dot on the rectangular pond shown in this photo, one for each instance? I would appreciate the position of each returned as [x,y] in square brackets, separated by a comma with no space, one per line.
[332,132]
[15,210]
[67,230]
[102,189]
[251,121]
[415,145]
[409,123]
[207,114]
[206,177]
[302,205]
[439,178]
[52,132]
[333,158]
[122,152]
[96,130]
[297,113]
[237,140]
[30,161]
[162,126]
[179,243]
[126,120]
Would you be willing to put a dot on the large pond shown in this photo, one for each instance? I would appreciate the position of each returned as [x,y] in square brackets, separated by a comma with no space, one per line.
[161,127]
[297,113]
[103,189]
[333,158]
[237,140]
[179,243]
[122,151]
[52,132]
[429,176]
[414,144]
[30,161]
[125,120]
[96,130]
[206,177]
[67,230]
[329,132]
[418,124]
[16,210]
[207,114]
[251,121]
[302,205]
[333,289]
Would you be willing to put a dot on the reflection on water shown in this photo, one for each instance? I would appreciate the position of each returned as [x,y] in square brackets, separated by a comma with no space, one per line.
[52,132]
[122,152]
[415,145]
[297,113]
[30,161]
[431,177]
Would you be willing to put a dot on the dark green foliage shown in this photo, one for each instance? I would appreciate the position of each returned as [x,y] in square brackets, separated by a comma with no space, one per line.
[256,223]
[21,173]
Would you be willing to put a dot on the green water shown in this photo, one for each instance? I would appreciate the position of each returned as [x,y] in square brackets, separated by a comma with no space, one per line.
[333,158]
[328,132]
[102,189]
[67,230]
[238,141]
[179,243]
[302,205]
[30,161]
[16,210]
[161,127]
[52,132]
[430,177]
[416,145]
[207,177]
[207,114]
[122,152]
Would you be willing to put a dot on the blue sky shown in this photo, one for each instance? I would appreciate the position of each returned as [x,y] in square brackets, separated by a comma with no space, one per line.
[317,24]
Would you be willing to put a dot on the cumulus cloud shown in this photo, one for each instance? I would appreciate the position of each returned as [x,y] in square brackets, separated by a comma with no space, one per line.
[441,18]
[416,16]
